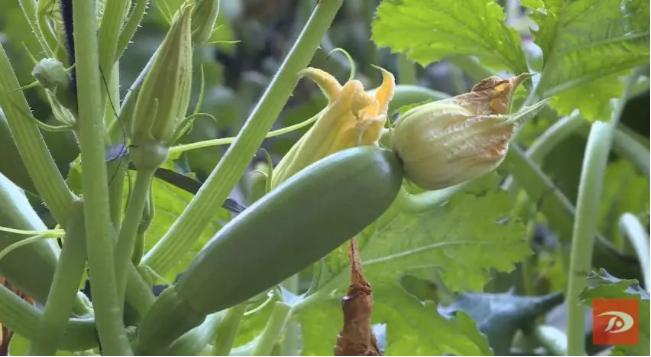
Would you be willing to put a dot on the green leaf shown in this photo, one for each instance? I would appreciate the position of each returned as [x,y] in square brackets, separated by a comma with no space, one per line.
[591,98]
[587,40]
[604,285]
[469,228]
[431,30]
[413,327]
[472,227]
[500,316]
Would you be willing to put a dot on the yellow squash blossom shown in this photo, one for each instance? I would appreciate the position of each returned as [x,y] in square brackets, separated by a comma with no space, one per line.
[352,117]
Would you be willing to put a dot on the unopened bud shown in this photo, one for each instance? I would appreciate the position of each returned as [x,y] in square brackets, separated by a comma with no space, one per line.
[165,94]
[204,16]
[450,141]
[53,76]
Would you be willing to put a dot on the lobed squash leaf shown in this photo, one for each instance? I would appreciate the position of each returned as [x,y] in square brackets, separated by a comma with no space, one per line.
[431,30]
[585,44]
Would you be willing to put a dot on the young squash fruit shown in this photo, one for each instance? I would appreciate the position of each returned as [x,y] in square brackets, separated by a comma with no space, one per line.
[300,221]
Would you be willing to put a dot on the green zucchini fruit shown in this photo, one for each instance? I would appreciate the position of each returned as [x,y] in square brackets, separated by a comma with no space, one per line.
[300,221]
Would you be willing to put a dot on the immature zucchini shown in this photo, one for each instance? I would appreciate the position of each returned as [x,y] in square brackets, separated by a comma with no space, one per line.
[303,219]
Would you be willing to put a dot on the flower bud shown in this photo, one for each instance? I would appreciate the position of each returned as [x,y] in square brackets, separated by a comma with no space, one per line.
[204,16]
[53,76]
[450,141]
[352,117]
[165,94]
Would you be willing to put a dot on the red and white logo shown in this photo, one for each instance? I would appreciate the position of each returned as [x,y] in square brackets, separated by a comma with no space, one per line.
[615,322]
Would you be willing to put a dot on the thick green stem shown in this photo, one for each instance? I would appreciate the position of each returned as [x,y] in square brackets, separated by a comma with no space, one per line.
[187,228]
[109,31]
[23,318]
[16,212]
[129,228]
[553,339]
[37,158]
[631,149]
[585,226]
[639,238]
[273,330]
[227,331]
[65,285]
[29,11]
[117,170]
[131,25]
[406,70]
[138,293]
[199,338]
[553,136]
[95,186]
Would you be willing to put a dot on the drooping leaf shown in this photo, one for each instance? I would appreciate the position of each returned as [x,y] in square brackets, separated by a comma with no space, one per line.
[604,285]
[500,316]
[431,30]
[588,40]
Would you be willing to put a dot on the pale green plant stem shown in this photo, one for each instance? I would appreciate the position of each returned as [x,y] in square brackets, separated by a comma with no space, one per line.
[109,31]
[30,144]
[553,136]
[187,228]
[29,11]
[99,230]
[44,30]
[625,145]
[129,228]
[117,169]
[65,285]
[274,328]
[179,149]
[227,331]
[406,70]
[632,228]
[585,226]
[23,318]
[553,339]
[131,26]
[199,338]
[138,293]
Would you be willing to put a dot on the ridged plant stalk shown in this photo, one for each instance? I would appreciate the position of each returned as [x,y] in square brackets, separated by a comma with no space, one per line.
[33,151]
[65,285]
[187,228]
[274,329]
[99,230]
[129,228]
[23,319]
[227,331]
[585,226]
